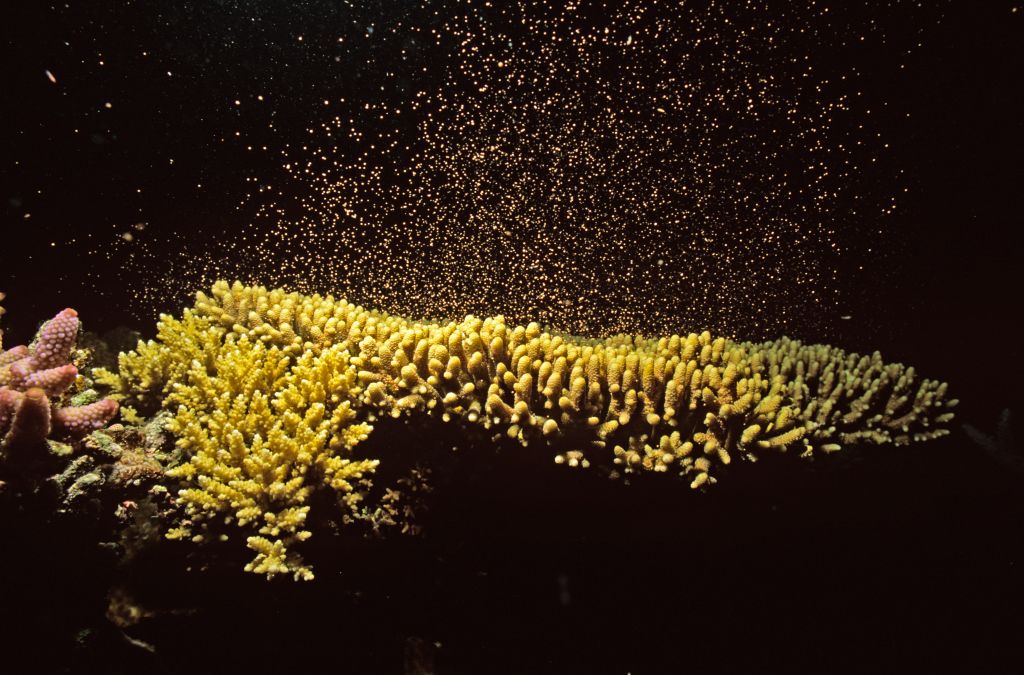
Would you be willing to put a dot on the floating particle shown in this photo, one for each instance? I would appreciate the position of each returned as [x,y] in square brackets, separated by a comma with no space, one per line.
[709,176]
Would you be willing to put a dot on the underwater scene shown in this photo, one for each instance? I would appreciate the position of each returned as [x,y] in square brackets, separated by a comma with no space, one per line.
[486,336]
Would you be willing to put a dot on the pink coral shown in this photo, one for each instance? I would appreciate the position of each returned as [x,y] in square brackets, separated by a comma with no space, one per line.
[80,420]
[33,378]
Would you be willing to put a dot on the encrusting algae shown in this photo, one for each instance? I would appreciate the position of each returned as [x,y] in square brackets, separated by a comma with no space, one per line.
[268,386]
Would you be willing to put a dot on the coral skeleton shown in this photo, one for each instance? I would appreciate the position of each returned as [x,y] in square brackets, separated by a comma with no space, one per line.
[266,385]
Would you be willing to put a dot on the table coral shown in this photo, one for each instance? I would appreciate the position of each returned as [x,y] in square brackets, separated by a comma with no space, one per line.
[689,404]
[33,381]
[653,402]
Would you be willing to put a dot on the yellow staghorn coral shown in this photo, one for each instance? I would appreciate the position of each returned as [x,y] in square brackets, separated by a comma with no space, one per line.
[145,375]
[687,403]
[263,429]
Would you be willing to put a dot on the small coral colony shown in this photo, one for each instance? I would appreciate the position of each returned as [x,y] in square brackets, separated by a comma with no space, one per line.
[268,396]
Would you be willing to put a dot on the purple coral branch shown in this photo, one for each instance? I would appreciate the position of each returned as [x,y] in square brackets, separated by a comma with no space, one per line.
[32,378]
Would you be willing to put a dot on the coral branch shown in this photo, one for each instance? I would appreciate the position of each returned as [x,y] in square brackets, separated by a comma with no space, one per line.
[34,378]
[30,419]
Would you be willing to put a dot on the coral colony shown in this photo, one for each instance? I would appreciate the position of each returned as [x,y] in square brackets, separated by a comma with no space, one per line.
[33,382]
[271,391]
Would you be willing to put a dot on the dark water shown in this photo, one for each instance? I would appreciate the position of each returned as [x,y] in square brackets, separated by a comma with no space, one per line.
[891,559]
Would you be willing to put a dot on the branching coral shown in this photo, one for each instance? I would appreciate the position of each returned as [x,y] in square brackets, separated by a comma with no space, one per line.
[266,382]
[56,463]
[690,401]
[34,378]
[264,430]
[149,370]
